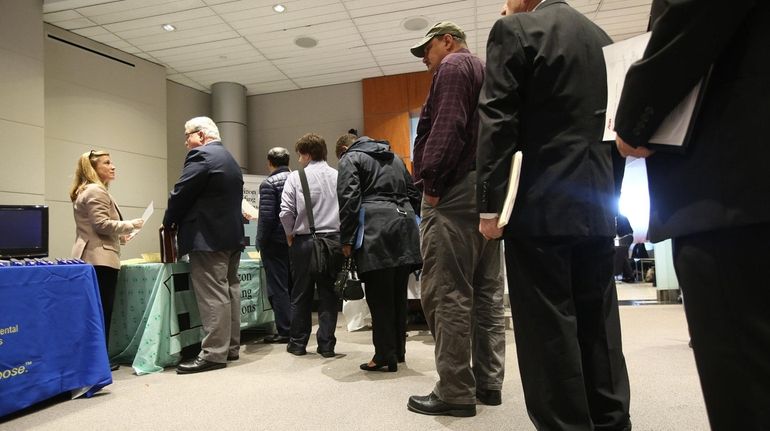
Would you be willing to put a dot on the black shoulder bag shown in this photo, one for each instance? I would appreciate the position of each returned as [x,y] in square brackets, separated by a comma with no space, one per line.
[326,258]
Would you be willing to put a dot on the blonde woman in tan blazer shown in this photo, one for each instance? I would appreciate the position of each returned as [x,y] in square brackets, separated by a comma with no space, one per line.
[100,227]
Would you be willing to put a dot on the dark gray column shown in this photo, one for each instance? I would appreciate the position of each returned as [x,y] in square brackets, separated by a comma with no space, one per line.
[228,110]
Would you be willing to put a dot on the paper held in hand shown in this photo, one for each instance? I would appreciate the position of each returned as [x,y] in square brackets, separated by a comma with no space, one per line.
[618,58]
[513,188]
[145,216]
[248,209]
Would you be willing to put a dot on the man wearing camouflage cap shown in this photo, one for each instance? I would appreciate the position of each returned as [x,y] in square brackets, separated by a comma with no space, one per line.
[461,288]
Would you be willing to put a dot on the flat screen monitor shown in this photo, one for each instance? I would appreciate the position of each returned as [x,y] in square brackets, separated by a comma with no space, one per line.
[23,231]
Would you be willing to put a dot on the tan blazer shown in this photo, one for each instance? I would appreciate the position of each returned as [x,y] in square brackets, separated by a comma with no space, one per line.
[99,227]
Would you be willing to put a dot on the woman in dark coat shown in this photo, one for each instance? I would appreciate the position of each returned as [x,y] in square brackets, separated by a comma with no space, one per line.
[374,184]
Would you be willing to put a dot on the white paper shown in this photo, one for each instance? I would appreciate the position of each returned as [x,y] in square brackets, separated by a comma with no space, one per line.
[673,129]
[512,190]
[249,209]
[618,58]
[145,216]
[148,211]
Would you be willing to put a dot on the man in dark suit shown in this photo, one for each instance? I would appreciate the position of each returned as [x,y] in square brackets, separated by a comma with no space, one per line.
[544,94]
[205,206]
[712,199]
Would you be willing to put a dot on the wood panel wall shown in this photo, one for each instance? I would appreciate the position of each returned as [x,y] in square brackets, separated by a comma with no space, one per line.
[389,101]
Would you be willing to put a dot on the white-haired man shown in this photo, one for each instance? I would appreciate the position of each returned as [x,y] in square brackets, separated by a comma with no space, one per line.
[205,207]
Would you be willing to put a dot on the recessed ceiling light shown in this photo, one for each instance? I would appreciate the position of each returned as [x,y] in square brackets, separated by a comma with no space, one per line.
[306,42]
[279,8]
[415,23]
[168,27]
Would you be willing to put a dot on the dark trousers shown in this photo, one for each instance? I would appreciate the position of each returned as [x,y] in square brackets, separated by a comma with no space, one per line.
[107,278]
[622,262]
[727,296]
[302,297]
[386,297]
[567,329]
[275,258]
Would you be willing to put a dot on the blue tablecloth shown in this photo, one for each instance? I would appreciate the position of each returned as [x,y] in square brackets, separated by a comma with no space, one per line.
[51,334]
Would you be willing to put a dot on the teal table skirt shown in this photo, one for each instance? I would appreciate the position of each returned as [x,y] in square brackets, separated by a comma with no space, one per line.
[155,314]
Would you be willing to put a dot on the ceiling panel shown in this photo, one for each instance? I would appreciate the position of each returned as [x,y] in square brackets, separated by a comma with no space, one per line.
[155,43]
[121,12]
[64,15]
[59,5]
[246,41]
[158,20]
[271,87]
[75,23]
[201,25]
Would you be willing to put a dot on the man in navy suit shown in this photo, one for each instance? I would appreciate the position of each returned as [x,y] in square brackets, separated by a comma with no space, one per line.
[712,199]
[205,207]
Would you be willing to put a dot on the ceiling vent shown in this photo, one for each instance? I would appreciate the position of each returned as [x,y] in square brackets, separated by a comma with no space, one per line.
[306,42]
[415,23]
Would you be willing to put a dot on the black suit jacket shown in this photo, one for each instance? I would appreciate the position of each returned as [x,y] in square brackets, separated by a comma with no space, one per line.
[544,93]
[722,180]
[206,201]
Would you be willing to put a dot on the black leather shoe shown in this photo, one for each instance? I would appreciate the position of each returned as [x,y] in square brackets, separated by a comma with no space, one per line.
[296,350]
[114,367]
[490,397]
[326,353]
[432,405]
[276,339]
[393,367]
[198,365]
[234,357]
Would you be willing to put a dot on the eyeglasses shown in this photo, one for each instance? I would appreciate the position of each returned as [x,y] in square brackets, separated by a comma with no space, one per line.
[187,134]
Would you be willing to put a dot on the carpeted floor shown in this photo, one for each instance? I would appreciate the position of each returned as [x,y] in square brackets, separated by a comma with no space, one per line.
[269,389]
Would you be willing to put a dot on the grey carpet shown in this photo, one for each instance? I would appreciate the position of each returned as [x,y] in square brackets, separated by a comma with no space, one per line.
[269,389]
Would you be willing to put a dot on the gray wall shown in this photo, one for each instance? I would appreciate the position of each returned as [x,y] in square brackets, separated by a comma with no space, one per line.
[279,119]
[182,103]
[22,111]
[94,102]
[60,101]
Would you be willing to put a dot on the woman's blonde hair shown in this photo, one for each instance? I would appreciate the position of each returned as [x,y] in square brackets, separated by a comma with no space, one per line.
[85,173]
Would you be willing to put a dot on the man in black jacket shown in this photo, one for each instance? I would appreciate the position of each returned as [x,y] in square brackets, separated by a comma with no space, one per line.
[273,248]
[544,94]
[713,198]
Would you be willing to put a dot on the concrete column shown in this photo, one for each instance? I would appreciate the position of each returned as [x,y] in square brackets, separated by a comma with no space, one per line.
[228,110]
